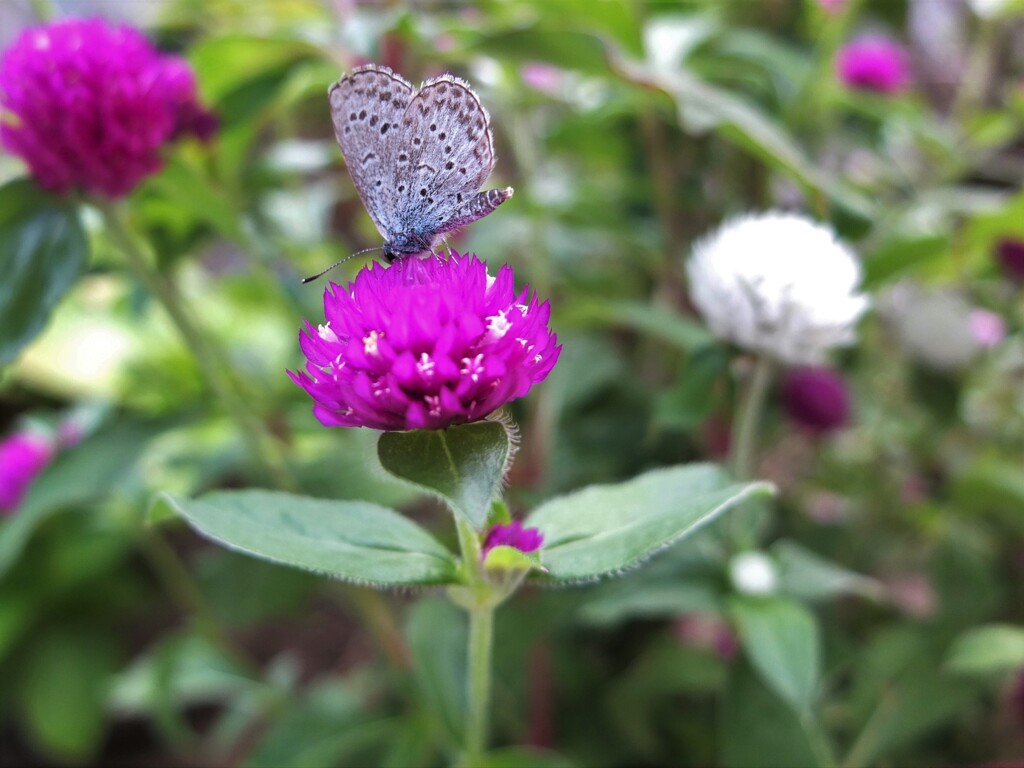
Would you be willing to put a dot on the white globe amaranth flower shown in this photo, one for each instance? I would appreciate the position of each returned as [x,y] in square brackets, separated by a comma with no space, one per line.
[753,573]
[778,284]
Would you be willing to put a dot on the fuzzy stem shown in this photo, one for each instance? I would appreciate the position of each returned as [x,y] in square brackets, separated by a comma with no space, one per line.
[480,605]
[744,436]
[211,359]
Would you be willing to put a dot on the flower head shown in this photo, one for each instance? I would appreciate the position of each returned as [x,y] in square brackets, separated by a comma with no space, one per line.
[937,326]
[87,104]
[874,63]
[1010,254]
[424,344]
[23,455]
[816,399]
[777,284]
[513,535]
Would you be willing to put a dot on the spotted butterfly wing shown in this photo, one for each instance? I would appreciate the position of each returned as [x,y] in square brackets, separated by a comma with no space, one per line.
[417,158]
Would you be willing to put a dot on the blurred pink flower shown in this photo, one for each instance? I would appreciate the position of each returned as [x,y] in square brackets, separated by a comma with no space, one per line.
[816,399]
[90,105]
[832,6]
[874,63]
[541,77]
[23,456]
[987,328]
[424,344]
[707,631]
[513,535]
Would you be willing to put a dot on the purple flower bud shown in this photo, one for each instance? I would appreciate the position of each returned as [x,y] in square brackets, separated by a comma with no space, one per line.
[90,105]
[874,63]
[424,344]
[1010,254]
[513,535]
[23,455]
[816,399]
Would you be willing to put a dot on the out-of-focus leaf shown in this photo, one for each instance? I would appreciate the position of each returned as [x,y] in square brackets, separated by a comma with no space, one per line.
[692,400]
[665,598]
[901,255]
[436,631]
[781,639]
[324,727]
[703,107]
[524,757]
[464,465]
[43,251]
[667,326]
[757,729]
[78,476]
[350,540]
[569,49]
[225,63]
[63,688]
[991,649]
[191,192]
[807,576]
[607,528]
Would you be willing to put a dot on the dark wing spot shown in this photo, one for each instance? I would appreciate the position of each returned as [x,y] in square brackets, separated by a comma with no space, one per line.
[362,114]
[423,192]
[462,171]
[417,141]
[377,184]
[352,116]
[448,149]
[373,121]
[459,197]
[442,88]
[384,128]
[449,165]
[403,157]
[401,187]
[442,135]
[347,129]
[433,126]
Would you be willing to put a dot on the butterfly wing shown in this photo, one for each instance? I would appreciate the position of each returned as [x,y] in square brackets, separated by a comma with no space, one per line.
[367,106]
[444,154]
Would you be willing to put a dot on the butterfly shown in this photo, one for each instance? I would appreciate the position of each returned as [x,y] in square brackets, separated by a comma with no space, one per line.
[418,158]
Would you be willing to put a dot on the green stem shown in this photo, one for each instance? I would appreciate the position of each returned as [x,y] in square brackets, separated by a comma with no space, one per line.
[480,603]
[816,740]
[745,428]
[481,641]
[211,359]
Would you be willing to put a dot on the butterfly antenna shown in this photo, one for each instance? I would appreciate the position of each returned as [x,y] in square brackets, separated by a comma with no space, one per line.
[318,275]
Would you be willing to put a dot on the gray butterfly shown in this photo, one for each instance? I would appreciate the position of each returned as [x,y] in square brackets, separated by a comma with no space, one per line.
[417,158]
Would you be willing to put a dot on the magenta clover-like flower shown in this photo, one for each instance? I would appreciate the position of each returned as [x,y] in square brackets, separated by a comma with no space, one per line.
[90,105]
[23,456]
[1010,255]
[874,63]
[513,535]
[816,399]
[424,344]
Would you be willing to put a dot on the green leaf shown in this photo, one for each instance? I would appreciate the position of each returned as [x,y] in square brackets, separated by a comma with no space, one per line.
[76,477]
[991,649]
[659,323]
[464,465]
[63,690]
[781,640]
[324,727]
[351,540]
[607,528]
[43,251]
[437,633]
[757,729]
[807,576]
[524,757]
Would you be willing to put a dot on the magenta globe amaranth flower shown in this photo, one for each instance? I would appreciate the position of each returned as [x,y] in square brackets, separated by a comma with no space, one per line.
[513,535]
[424,344]
[90,105]
[874,63]
[816,399]
[1010,255]
[23,456]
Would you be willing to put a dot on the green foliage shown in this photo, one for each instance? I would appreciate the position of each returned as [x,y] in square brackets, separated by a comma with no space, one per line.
[43,251]
[355,541]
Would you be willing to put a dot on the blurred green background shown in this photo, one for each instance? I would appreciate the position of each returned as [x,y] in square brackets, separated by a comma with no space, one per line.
[628,129]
